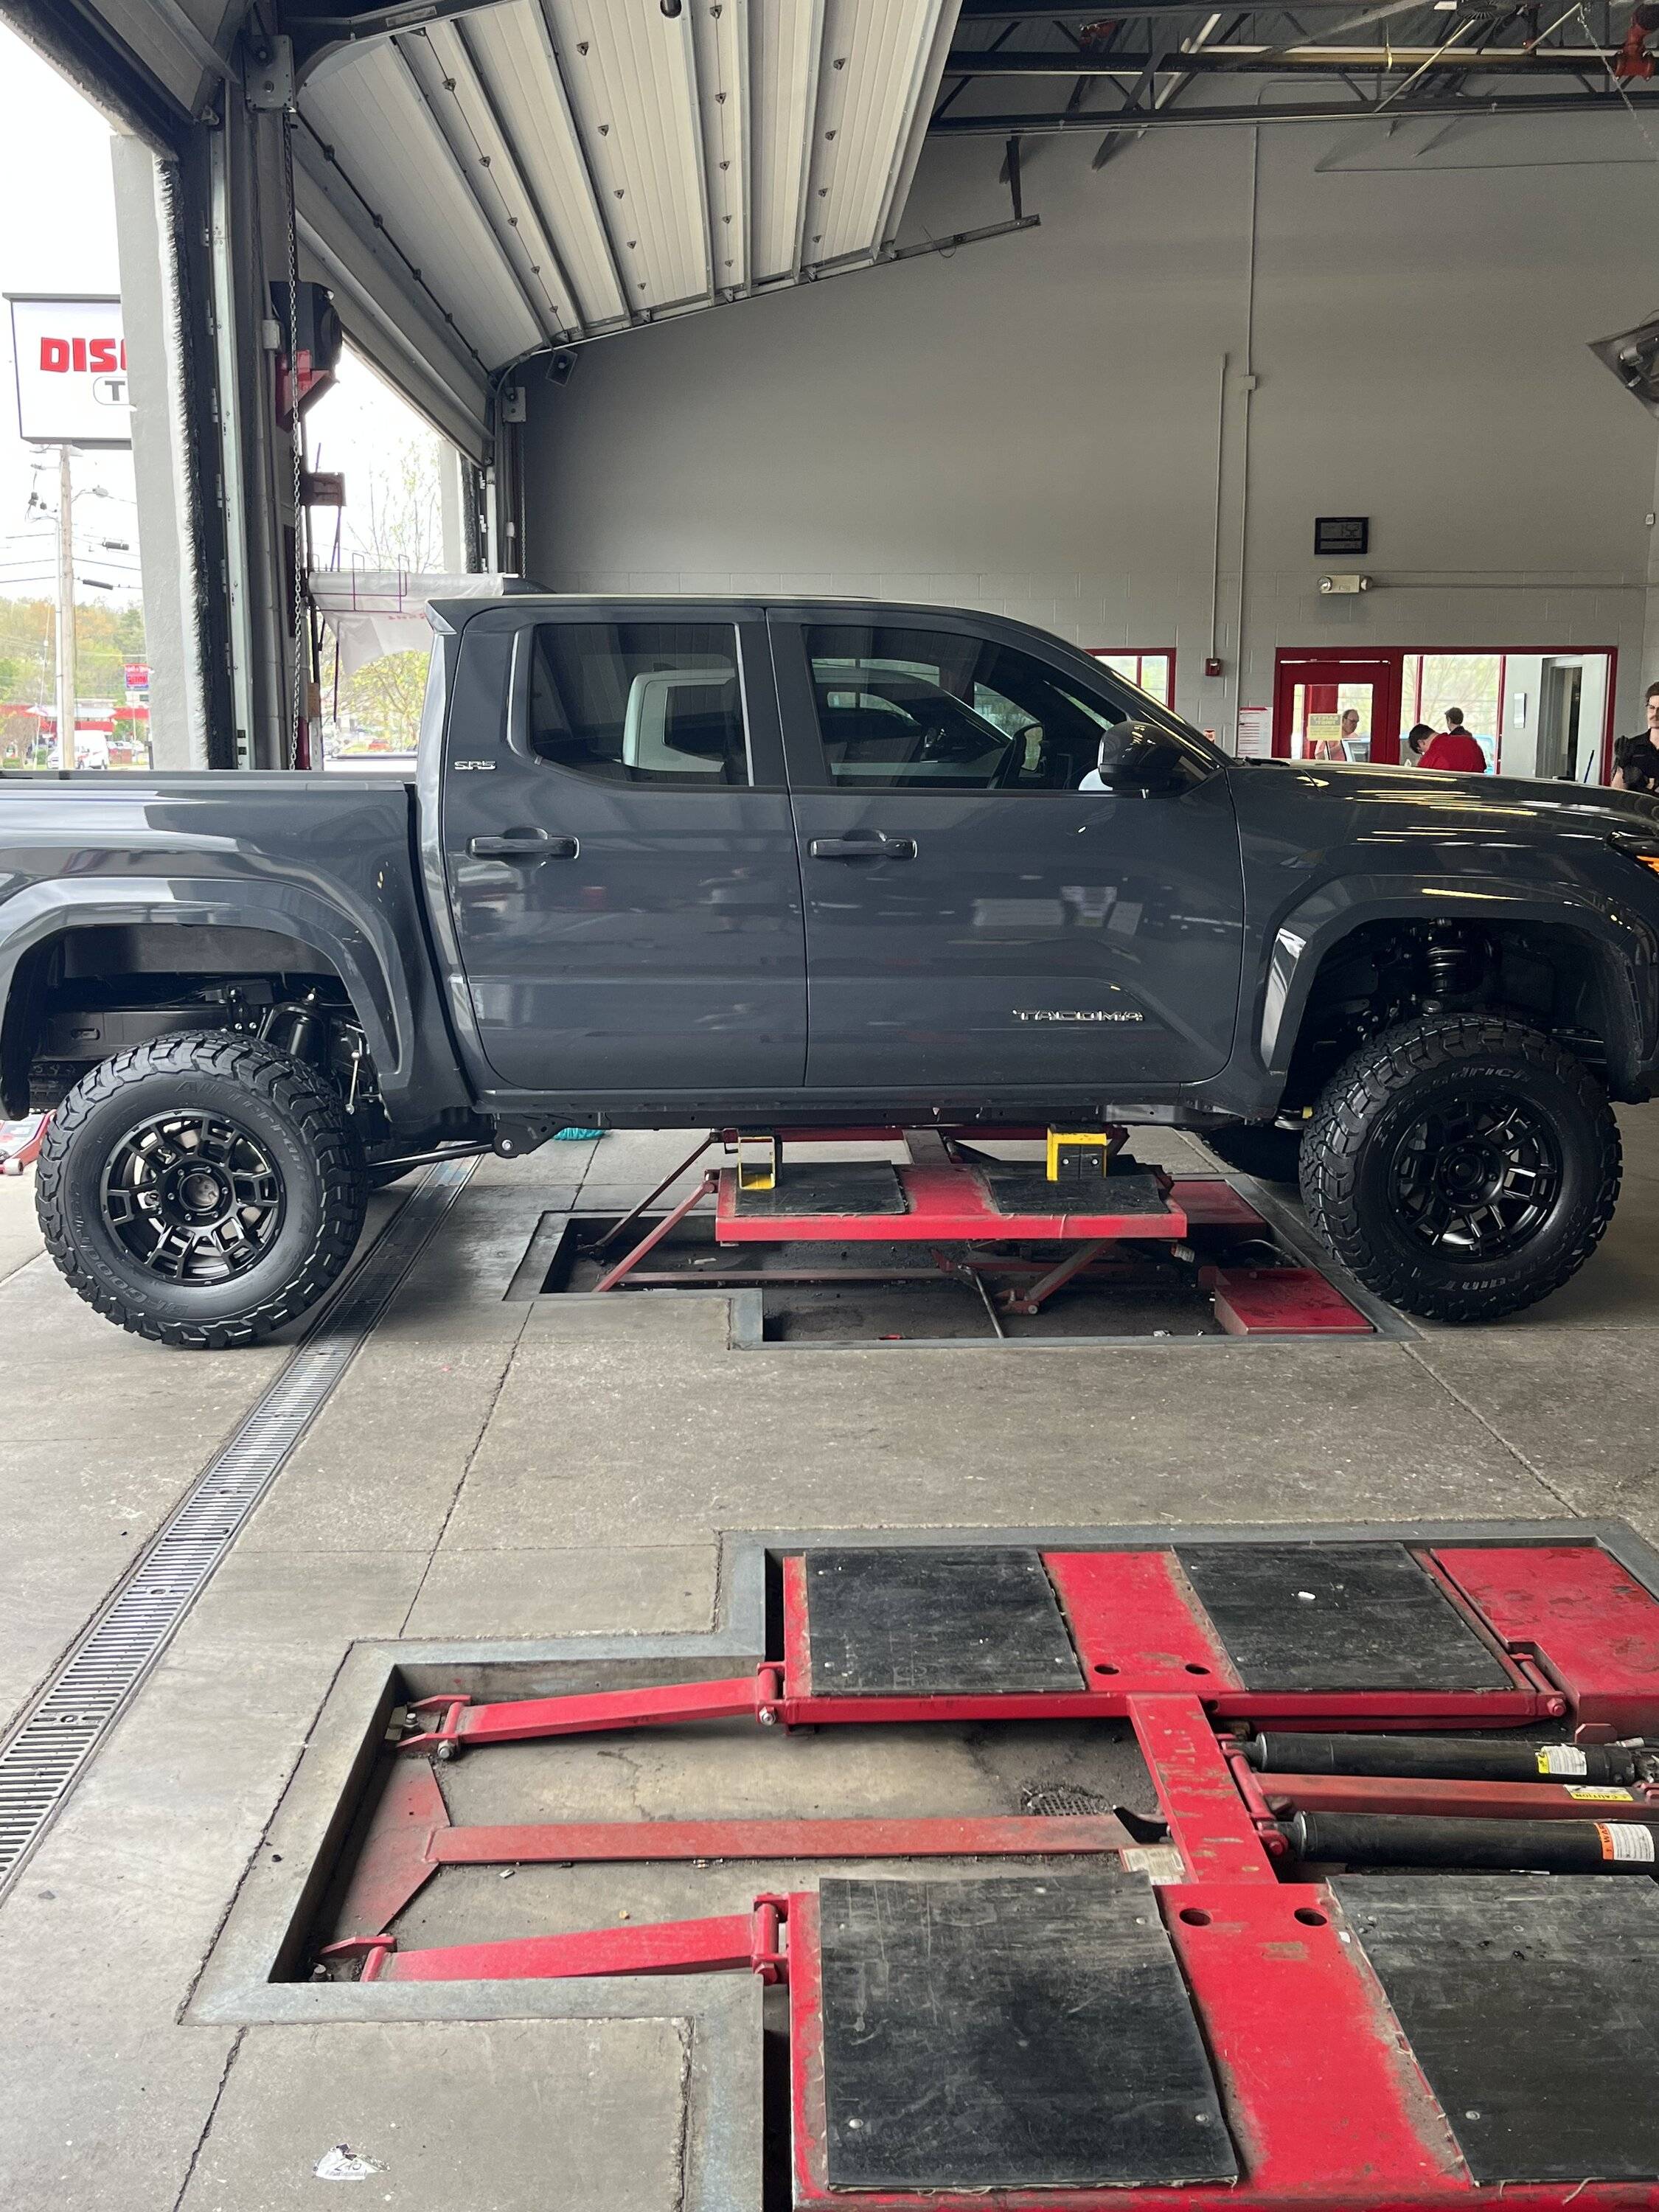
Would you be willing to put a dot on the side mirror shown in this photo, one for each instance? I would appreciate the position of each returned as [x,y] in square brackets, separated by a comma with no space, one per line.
[1140,757]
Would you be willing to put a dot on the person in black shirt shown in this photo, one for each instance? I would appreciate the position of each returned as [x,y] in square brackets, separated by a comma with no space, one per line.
[1636,762]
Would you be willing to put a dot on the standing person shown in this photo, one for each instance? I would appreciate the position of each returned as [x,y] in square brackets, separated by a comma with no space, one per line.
[1416,738]
[1638,768]
[1455,749]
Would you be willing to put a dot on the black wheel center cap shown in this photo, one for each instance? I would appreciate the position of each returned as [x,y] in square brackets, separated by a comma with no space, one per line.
[201,1192]
[1468,1171]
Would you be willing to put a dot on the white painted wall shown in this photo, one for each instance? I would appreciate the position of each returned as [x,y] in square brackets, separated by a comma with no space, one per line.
[1031,425]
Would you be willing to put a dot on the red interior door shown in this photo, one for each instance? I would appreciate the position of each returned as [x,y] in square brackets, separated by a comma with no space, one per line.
[1330,705]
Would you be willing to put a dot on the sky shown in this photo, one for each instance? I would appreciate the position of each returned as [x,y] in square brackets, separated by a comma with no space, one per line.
[48,131]
[55,162]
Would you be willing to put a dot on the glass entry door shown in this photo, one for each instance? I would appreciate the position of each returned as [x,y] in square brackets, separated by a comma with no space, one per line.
[1332,706]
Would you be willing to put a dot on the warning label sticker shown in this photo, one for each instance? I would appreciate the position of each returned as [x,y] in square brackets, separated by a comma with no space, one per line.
[1562,1759]
[1622,1839]
[1593,1794]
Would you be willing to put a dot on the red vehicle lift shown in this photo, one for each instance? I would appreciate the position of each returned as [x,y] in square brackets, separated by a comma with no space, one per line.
[975,1217]
[1073,2035]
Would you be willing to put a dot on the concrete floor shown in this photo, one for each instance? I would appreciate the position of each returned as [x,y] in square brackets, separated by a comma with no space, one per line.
[493,1469]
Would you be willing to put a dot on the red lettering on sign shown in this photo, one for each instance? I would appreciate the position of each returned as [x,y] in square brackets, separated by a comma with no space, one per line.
[78,347]
[54,355]
[100,354]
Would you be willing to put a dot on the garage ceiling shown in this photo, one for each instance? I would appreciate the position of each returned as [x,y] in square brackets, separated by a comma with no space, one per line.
[482,179]
[547,171]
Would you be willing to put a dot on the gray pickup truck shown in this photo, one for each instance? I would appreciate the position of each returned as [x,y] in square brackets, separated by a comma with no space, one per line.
[745,864]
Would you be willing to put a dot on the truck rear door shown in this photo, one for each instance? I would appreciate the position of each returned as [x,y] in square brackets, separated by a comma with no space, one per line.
[620,854]
[980,920]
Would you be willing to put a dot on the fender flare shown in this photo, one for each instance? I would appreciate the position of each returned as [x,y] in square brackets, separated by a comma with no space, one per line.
[366,968]
[1623,947]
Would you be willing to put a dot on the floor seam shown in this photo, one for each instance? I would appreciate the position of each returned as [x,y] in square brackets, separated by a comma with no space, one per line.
[181,2012]
[466,1469]
[1493,1430]
[200,2144]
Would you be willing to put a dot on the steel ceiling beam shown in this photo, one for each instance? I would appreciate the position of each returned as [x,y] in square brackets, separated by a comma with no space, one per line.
[1395,111]
[1228,59]
[1043,11]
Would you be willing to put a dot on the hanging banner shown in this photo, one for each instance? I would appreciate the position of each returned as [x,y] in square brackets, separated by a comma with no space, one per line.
[71,366]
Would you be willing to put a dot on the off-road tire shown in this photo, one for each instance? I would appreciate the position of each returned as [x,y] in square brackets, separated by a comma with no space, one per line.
[1375,1097]
[299,1123]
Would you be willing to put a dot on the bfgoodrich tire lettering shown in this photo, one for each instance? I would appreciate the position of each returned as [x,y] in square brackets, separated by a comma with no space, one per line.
[295,1126]
[1461,1166]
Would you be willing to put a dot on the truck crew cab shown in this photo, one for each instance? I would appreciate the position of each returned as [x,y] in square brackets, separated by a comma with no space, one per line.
[746,864]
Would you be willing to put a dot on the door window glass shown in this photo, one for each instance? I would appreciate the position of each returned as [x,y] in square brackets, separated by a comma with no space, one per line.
[638,702]
[950,712]
[1331,721]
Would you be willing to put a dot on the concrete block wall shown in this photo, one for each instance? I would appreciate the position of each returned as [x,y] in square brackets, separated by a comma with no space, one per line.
[1059,425]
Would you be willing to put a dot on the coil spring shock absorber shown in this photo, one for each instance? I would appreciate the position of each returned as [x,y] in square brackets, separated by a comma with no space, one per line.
[1450,970]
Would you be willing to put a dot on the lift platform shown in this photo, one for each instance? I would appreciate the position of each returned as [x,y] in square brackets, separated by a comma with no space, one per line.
[1018,1231]
[1242,2002]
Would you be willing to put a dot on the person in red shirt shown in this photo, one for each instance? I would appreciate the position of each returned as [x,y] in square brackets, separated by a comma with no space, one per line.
[1453,748]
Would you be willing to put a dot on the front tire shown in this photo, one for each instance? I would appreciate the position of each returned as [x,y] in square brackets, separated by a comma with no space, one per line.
[1462,1167]
[203,1189]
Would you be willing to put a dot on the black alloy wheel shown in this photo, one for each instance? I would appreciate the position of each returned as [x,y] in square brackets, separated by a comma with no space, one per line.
[193,1197]
[1477,1178]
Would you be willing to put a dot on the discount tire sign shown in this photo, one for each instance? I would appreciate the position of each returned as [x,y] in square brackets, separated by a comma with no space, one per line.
[71,367]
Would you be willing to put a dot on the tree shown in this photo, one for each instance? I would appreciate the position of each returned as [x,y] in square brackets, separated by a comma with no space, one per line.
[394,520]
[384,697]
[398,522]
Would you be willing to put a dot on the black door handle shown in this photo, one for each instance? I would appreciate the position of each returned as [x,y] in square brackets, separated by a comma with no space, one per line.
[863,845]
[524,845]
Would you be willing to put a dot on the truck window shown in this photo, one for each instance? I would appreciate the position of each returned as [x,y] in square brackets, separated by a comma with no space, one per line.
[950,711]
[638,702]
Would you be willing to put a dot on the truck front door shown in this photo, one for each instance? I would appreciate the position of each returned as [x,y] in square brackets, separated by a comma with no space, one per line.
[982,917]
[620,856]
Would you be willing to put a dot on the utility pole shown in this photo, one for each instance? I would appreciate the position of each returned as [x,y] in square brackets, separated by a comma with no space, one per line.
[65,610]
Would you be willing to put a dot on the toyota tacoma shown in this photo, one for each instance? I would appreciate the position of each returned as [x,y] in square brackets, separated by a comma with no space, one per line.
[748,864]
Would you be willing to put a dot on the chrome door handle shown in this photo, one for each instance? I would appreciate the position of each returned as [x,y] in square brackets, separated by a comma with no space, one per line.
[863,845]
[524,845]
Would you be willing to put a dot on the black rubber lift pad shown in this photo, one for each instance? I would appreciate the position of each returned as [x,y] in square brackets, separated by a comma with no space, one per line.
[1027,1190]
[885,1623]
[1531,2005]
[828,1187]
[1020,2033]
[1336,1617]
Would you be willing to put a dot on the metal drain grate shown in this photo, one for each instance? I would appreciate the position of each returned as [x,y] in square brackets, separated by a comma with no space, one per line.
[42,1760]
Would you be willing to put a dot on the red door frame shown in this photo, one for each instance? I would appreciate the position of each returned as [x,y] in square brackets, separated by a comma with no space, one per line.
[1328,666]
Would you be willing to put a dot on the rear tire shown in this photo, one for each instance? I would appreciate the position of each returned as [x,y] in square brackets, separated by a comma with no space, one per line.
[1462,1167]
[203,1189]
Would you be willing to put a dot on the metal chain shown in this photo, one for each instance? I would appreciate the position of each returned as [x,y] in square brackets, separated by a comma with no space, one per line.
[300,673]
